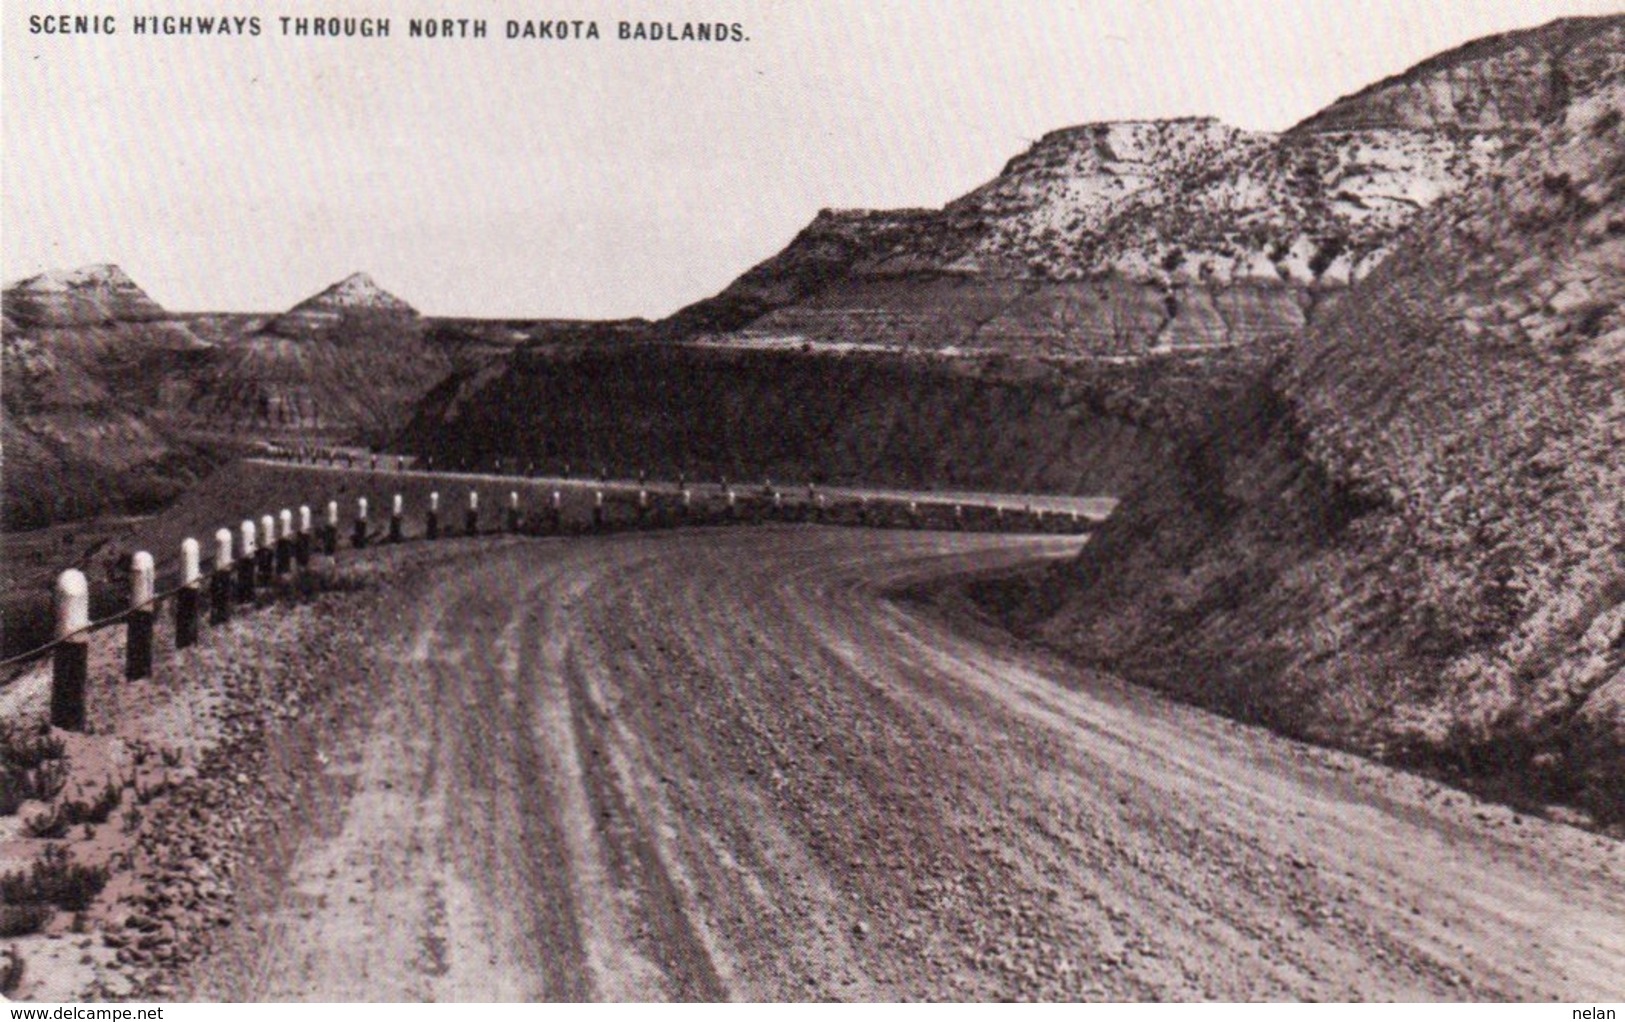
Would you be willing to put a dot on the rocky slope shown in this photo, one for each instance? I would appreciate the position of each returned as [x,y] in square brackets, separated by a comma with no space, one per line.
[1125,238]
[73,350]
[1407,536]
[1511,80]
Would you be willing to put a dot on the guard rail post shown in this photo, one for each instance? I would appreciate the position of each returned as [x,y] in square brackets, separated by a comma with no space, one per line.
[471,520]
[358,539]
[220,579]
[186,600]
[396,507]
[513,510]
[72,659]
[265,555]
[245,563]
[284,543]
[301,542]
[432,523]
[139,621]
[330,531]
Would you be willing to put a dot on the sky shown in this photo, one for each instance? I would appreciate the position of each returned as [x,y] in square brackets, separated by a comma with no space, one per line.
[605,178]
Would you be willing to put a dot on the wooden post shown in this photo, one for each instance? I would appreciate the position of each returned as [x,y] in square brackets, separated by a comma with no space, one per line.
[265,556]
[597,510]
[395,510]
[730,502]
[643,505]
[471,520]
[359,538]
[245,563]
[301,542]
[686,504]
[432,525]
[72,664]
[186,601]
[555,512]
[220,579]
[513,510]
[330,533]
[818,508]
[284,543]
[138,623]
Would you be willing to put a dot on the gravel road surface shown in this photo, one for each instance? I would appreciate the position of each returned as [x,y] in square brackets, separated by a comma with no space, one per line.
[728,763]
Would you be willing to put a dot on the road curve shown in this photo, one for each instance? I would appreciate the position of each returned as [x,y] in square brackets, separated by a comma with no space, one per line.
[727,764]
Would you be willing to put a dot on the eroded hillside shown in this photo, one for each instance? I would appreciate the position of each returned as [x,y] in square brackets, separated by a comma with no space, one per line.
[1407,536]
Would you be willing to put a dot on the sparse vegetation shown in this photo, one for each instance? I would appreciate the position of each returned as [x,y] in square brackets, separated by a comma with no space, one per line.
[55,820]
[26,747]
[21,920]
[54,879]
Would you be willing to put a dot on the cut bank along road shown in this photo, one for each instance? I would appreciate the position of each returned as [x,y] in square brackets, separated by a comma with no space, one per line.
[725,763]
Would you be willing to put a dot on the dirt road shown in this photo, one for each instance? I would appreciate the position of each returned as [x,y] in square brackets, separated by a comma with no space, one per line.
[724,763]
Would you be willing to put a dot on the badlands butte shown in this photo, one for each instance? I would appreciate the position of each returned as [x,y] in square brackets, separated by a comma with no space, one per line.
[1356,386]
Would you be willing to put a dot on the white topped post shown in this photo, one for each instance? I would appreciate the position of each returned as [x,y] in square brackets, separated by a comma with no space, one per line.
[265,552]
[330,530]
[71,664]
[301,540]
[284,542]
[139,620]
[397,507]
[359,538]
[220,579]
[187,600]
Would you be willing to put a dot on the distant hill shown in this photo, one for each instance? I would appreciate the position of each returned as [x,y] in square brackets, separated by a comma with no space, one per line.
[355,300]
[89,296]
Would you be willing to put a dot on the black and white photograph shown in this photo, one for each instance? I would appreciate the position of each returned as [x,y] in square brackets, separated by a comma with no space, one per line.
[965,501]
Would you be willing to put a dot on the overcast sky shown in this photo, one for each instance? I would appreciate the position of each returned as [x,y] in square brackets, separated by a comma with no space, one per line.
[607,178]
